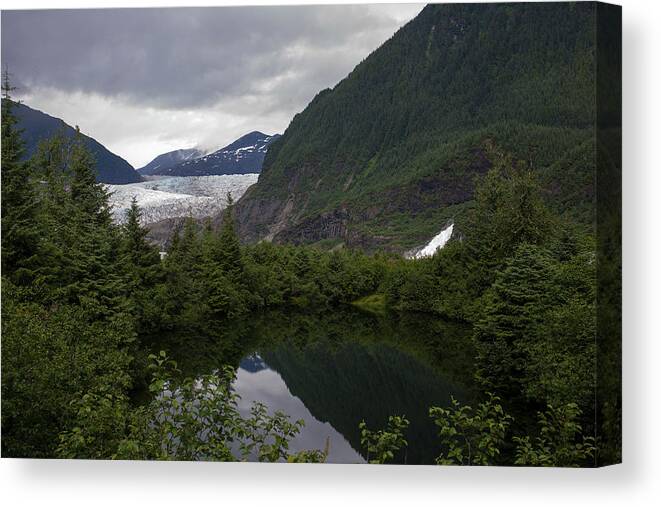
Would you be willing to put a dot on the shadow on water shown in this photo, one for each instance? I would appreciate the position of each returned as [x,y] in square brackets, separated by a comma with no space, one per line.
[336,368]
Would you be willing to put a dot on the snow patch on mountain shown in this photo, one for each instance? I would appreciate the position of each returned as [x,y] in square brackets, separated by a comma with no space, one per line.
[243,156]
[436,243]
[172,197]
[165,161]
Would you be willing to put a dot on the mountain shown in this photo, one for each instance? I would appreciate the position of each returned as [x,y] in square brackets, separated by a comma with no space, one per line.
[168,160]
[243,156]
[37,126]
[389,155]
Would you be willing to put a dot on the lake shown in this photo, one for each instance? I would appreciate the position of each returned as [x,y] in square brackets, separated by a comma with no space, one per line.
[336,368]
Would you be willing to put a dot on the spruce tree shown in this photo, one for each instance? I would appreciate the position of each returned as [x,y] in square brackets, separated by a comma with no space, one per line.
[181,293]
[19,232]
[512,309]
[89,196]
[80,262]
[56,217]
[137,249]
[229,248]
[509,211]
[96,253]
[142,265]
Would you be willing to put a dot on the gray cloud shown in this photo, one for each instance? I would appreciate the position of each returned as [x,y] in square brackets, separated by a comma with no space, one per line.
[186,57]
[248,62]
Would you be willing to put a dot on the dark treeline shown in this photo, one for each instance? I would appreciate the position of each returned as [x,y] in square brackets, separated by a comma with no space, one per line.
[80,295]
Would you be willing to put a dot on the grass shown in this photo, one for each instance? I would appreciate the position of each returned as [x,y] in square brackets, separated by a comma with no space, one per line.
[374,303]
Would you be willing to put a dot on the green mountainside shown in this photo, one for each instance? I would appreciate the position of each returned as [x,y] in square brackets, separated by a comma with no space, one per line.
[387,157]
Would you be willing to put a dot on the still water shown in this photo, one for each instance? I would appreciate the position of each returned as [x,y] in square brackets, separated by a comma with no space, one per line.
[337,368]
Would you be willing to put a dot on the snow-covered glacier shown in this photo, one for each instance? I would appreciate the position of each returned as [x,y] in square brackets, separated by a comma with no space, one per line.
[178,196]
[436,243]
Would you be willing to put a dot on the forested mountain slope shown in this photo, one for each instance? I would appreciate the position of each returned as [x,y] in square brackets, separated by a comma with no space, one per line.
[389,155]
[37,126]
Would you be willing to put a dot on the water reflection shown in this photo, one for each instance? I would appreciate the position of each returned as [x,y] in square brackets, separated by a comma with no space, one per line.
[337,368]
[255,381]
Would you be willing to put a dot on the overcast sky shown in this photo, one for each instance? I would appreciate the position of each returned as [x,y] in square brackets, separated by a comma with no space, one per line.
[146,81]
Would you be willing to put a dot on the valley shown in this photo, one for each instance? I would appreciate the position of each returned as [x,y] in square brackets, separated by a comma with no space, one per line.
[162,198]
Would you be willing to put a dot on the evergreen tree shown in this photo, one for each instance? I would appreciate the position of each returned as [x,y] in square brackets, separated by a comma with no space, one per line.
[562,354]
[188,247]
[19,234]
[56,217]
[512,308]
[80,259]
[138,251]
[509,210]
[216,289]
[89,196]
[229,247]
[180,295]
[95,255]
[142,264]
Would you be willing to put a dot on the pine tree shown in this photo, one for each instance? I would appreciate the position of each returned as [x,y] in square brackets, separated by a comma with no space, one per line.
[96,254]
[509,211]
[221,283]
[142,264]
[513,307]
[230,249]
[80,258]
[175,237]
[138,251]
[89,196]
[209,245]
[56,214]
[180,295]
[19,233]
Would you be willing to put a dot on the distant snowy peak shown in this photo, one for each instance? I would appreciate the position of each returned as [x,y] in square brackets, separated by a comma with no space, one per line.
[166,161]
[243,156]
[255,139]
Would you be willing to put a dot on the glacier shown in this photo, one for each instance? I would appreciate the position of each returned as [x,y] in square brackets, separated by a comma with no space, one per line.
[436,243]
[160,198]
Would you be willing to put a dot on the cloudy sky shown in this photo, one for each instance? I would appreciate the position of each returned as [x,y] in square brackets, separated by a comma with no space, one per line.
[147,81]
